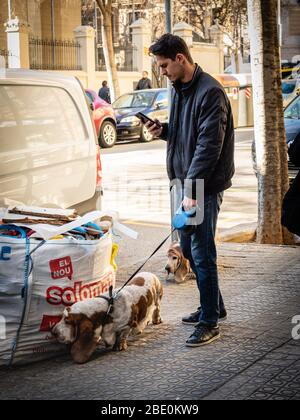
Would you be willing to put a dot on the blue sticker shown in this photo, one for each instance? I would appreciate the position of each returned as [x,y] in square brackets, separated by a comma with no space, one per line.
[5,250]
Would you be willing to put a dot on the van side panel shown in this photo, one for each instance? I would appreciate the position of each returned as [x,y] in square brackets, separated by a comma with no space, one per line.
[47,154]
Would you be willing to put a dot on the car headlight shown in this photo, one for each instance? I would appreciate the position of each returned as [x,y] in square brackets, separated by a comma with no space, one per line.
[132,120]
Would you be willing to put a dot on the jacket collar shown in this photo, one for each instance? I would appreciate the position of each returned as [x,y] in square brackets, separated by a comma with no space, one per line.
[187,87]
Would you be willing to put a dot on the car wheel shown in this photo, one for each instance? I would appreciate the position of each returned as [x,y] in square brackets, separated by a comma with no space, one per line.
[146,137]
[108,135]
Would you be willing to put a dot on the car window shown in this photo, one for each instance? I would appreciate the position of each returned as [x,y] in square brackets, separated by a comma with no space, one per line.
[162,98]
[35,116]
[293,110]
[90,97]
[135,100]
[288,87]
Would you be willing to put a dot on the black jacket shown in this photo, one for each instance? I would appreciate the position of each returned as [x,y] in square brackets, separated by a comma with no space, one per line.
[144,83]
[104,93]
[207,123]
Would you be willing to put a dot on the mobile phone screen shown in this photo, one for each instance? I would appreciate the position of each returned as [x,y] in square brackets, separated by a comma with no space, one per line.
[146,119]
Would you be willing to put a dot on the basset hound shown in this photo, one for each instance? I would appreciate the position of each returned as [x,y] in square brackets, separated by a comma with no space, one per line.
[85,323]
[178,265]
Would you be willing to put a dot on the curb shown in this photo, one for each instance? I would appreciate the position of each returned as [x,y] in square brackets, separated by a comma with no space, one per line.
[238,234]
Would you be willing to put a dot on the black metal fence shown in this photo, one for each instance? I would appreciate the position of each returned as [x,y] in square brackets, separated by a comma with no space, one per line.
[54,54]
[4,54]
[125,58]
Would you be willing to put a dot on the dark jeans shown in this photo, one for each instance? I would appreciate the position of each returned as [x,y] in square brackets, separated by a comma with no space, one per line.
[200,250]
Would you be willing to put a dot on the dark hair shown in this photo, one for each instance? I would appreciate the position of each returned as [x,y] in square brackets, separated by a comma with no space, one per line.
[104,83]
[169,46]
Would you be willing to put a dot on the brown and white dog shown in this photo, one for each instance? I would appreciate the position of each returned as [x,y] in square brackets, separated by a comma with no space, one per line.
[178,264]
[86,322]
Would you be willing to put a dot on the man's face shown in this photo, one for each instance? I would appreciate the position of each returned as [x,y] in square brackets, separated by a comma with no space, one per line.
[173,70]
[145,75]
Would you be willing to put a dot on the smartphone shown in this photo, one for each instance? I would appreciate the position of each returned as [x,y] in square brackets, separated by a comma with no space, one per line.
[146,119]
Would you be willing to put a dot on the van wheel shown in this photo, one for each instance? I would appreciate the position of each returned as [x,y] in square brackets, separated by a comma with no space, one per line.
[108,135]
[145,137]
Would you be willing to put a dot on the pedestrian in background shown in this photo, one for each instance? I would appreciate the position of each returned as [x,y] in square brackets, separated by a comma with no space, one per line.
[104,92]
[144,82]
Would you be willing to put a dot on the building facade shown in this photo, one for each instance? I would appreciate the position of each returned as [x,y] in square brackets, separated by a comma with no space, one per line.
[290,21]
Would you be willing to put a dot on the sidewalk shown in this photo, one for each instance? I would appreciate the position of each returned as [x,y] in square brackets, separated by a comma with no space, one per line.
[256,357]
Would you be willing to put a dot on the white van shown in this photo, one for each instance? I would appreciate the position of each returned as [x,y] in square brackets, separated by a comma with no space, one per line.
[49,154]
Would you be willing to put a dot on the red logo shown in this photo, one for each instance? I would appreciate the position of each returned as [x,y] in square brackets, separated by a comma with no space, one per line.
[56,295]
[61,268]
[48,322]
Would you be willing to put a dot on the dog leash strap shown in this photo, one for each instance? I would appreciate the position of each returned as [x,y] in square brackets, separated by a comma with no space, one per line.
[139,269]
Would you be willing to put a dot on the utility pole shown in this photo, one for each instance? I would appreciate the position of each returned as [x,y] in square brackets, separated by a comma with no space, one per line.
[279,24]
[168,9]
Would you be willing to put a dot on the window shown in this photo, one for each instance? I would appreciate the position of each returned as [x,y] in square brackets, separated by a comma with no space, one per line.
[294,19]
[162,99]
[90,97]
[293,110]
[135,100]
[32,117]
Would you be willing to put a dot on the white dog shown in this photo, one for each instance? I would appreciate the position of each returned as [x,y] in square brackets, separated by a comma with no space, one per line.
[86,322]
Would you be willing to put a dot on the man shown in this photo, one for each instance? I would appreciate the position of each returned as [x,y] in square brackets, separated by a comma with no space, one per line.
[200,145]
[144,82]
[104,92]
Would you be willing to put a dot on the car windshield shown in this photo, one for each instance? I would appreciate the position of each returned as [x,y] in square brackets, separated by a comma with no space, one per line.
[288,87]
[135,100]
[293,110]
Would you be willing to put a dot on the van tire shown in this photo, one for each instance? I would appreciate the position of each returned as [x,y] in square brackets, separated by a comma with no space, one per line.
[108,135]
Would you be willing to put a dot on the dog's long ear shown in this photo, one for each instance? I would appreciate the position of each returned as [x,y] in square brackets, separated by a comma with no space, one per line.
[185,264]
[86,344]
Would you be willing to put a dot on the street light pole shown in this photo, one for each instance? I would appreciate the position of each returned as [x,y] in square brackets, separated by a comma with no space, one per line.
[9,9]
[168,9]
[279,22]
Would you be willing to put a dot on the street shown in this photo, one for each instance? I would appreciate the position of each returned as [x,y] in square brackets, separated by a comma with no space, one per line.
[136,185]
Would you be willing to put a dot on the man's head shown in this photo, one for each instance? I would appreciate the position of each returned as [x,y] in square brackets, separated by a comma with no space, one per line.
[104,83]
[145,74]
[173,57]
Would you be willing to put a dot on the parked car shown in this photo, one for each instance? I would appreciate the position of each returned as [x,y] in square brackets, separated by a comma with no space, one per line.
[245,68]
[289,69]
[292,131]
[104,119]
[290,89]
[151,102]
[49,152]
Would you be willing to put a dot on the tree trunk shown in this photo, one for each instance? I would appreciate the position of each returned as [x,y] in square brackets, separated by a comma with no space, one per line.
[268,116]
[108,49]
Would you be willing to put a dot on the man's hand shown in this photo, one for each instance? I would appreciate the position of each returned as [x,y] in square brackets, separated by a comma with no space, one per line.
[154,129]
[188,203]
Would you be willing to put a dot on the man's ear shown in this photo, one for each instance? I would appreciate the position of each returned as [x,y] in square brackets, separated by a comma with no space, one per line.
[180,58]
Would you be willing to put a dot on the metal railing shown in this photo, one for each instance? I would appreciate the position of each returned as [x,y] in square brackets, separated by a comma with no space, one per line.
[125,57]
[54,54]
[5,54]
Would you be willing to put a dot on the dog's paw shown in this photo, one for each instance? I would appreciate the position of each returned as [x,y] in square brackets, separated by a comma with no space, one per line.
[121,346]
[190,276]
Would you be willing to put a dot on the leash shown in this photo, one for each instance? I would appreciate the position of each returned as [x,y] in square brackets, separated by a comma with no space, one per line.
[148,259]
[112,296]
